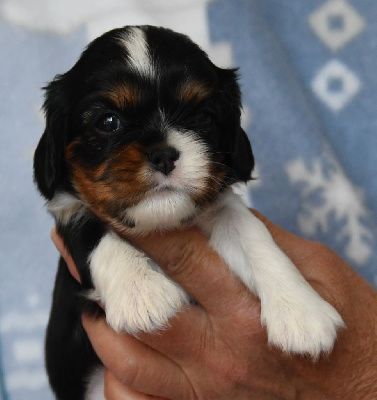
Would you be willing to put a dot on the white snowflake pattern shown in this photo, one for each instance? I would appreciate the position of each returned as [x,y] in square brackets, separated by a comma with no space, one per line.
[339,198]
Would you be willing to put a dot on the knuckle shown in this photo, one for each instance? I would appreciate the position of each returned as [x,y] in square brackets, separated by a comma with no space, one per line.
[128,372]
[323,254]
[316,252]
[327,274]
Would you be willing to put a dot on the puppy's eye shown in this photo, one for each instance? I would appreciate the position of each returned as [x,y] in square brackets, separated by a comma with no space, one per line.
[108,123]
[204,118]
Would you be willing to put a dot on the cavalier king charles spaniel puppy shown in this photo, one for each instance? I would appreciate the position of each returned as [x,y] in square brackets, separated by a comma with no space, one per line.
[144,134]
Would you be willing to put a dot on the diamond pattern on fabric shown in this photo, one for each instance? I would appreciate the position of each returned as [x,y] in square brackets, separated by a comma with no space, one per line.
[335,84]
[336,23]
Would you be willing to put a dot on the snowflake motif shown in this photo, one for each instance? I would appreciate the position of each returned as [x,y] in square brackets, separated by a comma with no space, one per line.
[339,198]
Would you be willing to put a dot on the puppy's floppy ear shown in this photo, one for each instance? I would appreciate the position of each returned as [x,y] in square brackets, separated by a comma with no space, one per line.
[241,155]
[49,162]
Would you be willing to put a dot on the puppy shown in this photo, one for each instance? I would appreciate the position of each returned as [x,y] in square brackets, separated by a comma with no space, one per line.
[144,134]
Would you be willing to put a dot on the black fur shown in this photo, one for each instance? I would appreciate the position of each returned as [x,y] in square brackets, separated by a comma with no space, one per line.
[69,354]
[73,105]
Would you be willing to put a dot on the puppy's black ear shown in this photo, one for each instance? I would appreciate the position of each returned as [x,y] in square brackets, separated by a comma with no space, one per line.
[241,155]
[49,160]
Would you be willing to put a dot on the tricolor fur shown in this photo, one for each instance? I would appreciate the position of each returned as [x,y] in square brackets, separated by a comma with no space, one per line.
[144,134]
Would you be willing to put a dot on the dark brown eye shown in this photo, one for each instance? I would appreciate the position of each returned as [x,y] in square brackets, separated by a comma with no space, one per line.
[109,123]
[203,118]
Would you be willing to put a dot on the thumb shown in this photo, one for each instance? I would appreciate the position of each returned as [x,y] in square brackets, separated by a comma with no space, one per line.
[186,257]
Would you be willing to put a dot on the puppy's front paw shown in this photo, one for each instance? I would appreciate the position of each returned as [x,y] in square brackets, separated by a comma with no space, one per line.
[145,304]
[303,324]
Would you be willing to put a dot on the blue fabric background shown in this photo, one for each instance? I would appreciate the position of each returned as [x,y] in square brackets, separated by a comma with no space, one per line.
[316,166]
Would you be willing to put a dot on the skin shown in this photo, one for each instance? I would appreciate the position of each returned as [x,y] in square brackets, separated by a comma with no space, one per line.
[219,350]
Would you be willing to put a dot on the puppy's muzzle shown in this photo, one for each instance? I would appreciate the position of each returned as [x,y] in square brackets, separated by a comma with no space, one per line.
[163,159]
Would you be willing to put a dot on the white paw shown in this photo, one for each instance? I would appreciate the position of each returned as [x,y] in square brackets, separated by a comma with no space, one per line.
[145,304]
[302,324]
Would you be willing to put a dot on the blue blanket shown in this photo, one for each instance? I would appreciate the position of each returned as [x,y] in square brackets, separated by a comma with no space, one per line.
[308,75]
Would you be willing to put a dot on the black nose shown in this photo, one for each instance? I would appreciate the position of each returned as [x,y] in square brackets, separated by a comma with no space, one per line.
[163,159]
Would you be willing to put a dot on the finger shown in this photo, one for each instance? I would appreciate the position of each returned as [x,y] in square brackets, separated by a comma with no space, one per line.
[186,257]
[183,338]
[59,244]
[116,390]
[134,364]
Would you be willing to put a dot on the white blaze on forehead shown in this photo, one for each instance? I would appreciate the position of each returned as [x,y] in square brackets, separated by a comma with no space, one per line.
[138,54]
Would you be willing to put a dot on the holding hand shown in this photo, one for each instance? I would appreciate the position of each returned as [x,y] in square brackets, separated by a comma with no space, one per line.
[219,350]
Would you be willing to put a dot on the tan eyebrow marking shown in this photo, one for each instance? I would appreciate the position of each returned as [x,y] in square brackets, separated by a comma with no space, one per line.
[193,91]
[124,96]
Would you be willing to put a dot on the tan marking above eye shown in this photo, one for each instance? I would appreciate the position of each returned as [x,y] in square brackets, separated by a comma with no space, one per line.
[193,91]
[124,95]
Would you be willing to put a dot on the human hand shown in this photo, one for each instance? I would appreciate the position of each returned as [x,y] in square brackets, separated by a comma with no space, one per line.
[219,350]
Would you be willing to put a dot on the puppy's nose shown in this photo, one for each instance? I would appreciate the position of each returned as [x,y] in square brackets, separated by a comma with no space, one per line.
[163,158]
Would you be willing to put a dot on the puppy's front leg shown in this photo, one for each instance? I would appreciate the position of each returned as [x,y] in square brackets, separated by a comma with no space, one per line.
[297,319]
[136,297]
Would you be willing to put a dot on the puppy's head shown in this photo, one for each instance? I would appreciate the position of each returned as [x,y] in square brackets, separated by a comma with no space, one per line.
[144,130]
